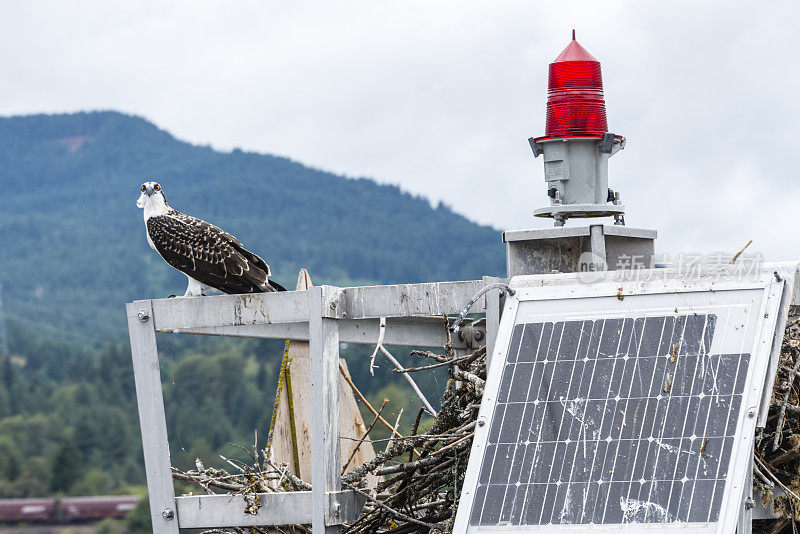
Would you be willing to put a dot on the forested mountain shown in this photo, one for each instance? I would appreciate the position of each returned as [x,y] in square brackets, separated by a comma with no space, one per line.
[73,251]
[72,244]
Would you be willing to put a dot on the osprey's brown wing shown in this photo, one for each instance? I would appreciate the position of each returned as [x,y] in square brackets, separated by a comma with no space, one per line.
[208,254]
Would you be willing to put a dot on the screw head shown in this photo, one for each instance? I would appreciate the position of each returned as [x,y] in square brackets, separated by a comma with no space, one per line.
[333,305]
[749,503]
[337,509]
[143,315]
[478,335]
[168,513]
[751,413]
[481,422]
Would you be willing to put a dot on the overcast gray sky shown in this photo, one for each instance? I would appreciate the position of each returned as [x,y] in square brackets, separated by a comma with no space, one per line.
[440,97]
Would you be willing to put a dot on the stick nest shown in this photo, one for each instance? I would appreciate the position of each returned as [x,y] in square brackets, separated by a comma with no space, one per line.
[776,469]
[422,472]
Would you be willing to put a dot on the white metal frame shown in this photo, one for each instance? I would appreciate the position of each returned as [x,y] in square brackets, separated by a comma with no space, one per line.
[323,315]
[776,280]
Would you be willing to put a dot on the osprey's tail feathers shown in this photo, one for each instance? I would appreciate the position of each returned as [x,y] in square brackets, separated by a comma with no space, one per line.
[258,281]
[275,286]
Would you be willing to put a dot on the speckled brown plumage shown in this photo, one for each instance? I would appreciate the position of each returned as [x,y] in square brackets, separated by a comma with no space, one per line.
[208,254]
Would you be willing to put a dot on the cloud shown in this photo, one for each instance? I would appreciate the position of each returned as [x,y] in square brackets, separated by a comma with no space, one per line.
[440,97]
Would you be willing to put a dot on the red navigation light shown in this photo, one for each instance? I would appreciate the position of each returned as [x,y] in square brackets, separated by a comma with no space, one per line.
[575,104]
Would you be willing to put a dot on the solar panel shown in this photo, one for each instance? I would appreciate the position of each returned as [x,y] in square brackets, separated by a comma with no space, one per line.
[620,406]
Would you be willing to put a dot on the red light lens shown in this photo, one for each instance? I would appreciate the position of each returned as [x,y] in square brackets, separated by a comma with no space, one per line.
[575,103]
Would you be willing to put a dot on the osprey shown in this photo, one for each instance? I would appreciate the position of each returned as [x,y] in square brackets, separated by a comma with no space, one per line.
[207,255]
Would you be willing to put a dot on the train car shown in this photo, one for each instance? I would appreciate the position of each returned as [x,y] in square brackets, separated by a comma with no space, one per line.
[75,509]
[27,510]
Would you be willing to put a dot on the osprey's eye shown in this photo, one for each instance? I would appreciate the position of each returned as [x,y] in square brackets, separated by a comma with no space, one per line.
[144,189]
[157,187]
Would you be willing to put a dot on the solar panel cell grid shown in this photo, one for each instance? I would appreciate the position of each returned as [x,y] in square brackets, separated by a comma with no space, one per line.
[611,421]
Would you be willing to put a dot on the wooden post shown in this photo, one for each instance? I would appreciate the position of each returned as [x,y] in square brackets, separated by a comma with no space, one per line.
[324,345]
[147,375]
[291,426]
[291,432]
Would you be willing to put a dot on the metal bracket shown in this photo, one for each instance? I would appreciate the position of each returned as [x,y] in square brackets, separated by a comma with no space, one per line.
[332,305]
[534,147]
[608,143]
[344,507]
[474,334]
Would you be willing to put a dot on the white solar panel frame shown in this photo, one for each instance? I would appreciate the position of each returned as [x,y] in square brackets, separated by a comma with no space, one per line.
[559,287]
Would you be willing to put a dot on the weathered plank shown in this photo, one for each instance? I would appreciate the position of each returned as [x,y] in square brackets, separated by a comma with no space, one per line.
[150,400]
[405,331]
[368,302]
[351,425]
[412,331]
[230,310]
[289,508]
[411,300]
[290,434]
[324,345]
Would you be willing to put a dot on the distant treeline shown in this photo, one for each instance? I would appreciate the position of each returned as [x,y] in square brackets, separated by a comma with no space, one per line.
[72,242]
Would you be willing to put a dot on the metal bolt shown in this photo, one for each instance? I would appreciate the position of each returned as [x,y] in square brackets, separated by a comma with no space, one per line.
[168,514]
[749,503]
[333,305]
[478,335]
[481,421]
[751,413]
[144,316]
[337,509]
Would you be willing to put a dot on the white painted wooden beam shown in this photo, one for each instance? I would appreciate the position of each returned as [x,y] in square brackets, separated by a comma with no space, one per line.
[411,300]
[289,508]
[155,445]
[412,332]
[324,305]
[230,310]
[368,302]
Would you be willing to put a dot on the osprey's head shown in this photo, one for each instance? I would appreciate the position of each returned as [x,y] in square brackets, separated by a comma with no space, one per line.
[152,196]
